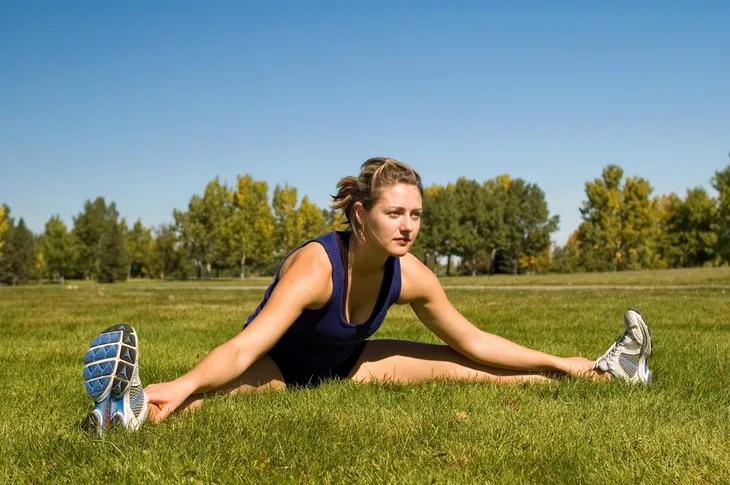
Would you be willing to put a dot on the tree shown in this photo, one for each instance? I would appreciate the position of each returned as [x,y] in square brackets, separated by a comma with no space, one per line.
[566,259]
[113,259]
[7,271]
[88,229]
[24,253]
[620,228]
[285,219]
[140,246]
[721,183]
[439,226]
[527,224]
[689,229]
[250,229]
[480,227]
[336,220]
[57,249]
[167,253]
[203,227]
[640,232]
[3,228]
[310,220]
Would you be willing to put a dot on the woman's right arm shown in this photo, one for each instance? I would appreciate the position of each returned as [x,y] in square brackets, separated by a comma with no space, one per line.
[305,283]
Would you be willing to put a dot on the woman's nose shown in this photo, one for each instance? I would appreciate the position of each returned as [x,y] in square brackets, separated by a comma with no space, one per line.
[407,224]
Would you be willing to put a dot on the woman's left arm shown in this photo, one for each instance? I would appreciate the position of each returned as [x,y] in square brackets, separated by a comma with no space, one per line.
[422,289]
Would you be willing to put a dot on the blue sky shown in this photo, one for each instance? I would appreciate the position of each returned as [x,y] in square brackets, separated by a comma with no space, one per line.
[145,102]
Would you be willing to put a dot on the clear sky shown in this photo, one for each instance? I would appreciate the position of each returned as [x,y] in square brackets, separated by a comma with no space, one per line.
[145,102]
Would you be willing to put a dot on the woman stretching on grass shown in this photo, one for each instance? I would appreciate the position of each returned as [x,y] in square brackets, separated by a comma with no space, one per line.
[326,301]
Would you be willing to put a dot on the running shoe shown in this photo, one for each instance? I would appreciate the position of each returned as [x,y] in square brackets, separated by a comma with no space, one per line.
[626,358]
[111,376]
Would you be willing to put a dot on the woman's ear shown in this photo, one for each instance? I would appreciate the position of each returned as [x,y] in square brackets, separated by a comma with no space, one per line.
[359,213]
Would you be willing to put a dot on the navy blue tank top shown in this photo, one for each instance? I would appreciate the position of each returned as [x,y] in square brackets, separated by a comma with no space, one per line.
[322,338]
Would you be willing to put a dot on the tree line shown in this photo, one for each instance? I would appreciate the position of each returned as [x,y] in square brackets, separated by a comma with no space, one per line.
[501,225]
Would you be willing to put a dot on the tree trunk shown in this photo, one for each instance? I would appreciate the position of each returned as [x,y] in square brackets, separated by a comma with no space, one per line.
[448,265]
[243,263]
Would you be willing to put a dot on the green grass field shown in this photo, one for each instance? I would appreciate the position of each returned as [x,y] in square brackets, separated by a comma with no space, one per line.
[676,430]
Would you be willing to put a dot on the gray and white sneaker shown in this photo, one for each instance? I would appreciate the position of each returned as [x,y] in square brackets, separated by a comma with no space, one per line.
[111,375]
[626,358]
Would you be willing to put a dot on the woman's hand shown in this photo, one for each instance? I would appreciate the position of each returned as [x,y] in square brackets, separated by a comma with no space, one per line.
[167,396]
[577,366]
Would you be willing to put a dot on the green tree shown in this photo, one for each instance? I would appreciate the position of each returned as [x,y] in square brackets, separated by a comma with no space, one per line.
[721,183]
[24,253]
[439,227]
[310,220]
[285,219]
[690,231]
[57,249]
[336,220]
[620,228]
[480,226]
[203,227]
[113,259]
[167,257]
[527,224]
[140,246]
[566,259]
[89,227]
[250,230]
[640,226]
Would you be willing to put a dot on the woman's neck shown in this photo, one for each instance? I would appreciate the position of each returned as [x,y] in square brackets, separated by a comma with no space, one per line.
[365,259]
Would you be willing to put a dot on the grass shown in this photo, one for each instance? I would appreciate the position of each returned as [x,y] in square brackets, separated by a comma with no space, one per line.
[675,431]
[673,277]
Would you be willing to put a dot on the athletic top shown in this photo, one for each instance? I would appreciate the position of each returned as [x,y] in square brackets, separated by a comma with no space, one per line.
[321,339]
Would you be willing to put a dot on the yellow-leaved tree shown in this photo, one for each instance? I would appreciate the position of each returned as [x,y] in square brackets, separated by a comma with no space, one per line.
[3,227]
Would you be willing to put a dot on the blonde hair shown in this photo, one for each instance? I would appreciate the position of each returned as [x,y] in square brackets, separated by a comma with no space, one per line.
[376,174]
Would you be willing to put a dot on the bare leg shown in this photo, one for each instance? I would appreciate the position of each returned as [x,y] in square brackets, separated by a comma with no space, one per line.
[263,375]
[408,362]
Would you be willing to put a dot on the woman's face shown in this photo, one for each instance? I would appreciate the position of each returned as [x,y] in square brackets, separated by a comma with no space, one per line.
[395,218]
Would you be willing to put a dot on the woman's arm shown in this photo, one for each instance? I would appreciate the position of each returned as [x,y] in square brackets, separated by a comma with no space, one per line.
[422,289]
[306,282]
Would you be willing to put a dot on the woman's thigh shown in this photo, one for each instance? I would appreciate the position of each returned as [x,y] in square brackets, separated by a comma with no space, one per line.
[407,362]
[262,375]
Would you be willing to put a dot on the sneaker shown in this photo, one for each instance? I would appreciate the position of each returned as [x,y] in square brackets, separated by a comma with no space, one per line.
[626,358]
[111,377]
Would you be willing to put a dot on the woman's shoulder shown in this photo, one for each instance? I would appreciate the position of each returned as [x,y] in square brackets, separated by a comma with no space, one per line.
[310,264]
[416,278]
[310,257]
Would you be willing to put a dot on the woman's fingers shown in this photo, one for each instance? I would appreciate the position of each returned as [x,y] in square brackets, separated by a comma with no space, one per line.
[164,412]
[166,397]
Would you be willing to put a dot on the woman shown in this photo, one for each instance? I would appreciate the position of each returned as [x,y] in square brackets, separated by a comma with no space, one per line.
[326,300]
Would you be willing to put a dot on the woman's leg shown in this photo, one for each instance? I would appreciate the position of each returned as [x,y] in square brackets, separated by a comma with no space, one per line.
[263,375]
[408,362]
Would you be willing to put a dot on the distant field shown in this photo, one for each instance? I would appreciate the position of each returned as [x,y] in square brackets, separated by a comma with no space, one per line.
[671,277]
[676,430]
[674,277]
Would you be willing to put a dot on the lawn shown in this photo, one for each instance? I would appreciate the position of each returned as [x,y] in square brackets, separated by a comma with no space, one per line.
[677,430]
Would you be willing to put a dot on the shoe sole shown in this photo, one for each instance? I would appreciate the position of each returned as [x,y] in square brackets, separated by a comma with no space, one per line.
[110,362]
[646,338]
[645,331]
